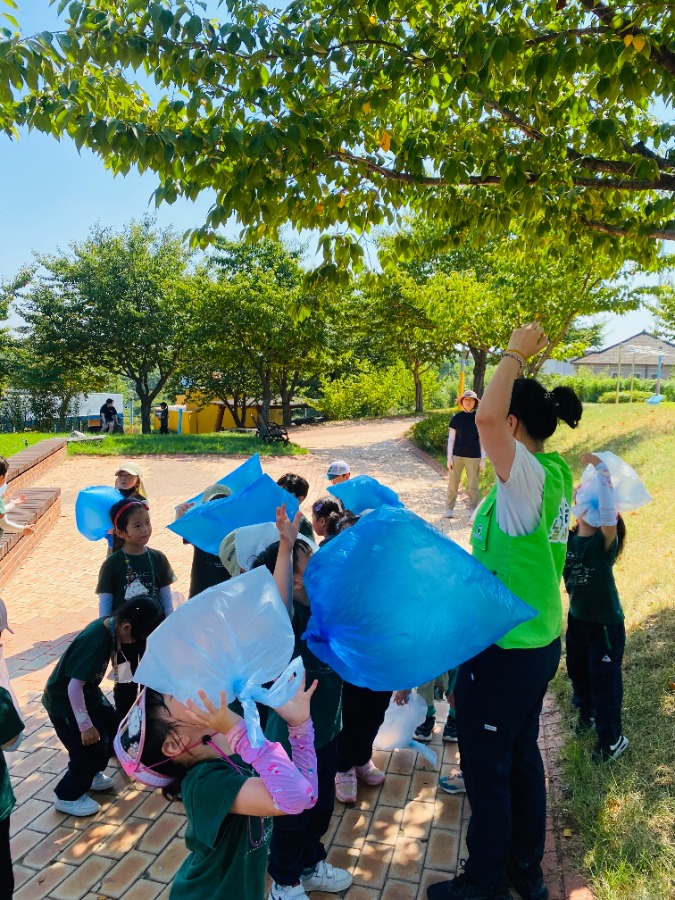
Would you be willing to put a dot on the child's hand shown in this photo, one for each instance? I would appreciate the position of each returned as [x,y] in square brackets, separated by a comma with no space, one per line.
[590,459]
[212,718]
[288,531]
[18,498]
[28,529]
[401,697]
[90,736]
[296,710]
[182,508]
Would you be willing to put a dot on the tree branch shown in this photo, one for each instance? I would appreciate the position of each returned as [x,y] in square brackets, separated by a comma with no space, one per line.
[663,56]
[658,234]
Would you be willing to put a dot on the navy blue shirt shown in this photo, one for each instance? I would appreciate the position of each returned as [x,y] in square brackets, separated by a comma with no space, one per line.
[467,442]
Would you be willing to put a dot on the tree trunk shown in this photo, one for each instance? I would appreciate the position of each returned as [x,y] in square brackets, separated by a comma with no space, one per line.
[63,412]
[479,366]
[219,418]
[286,394]
[146,412]
[419,399]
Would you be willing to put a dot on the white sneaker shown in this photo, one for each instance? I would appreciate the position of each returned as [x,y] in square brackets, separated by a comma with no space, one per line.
[450,514]
[328,878]
[287,892]
[101,782]
[83,806]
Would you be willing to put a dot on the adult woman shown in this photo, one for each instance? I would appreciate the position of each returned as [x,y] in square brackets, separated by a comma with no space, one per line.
[519,533]
[464,452]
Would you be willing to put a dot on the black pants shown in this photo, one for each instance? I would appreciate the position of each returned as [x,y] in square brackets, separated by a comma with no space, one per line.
[499,695]
[594,654]
[296,840]
[362,714]
[6,872]
[125,695]
[85,762]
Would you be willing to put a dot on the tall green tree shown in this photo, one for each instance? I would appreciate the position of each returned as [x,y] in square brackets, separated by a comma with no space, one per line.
[351,112]
[120,302]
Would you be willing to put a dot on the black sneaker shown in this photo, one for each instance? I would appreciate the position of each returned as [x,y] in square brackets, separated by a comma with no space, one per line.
[424,732]
[583,724]
[450,729]
[603,753]
[464,888]
[528,881]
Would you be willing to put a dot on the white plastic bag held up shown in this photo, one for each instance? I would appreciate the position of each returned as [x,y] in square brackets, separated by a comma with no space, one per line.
[233,637]
[629,491]
[398,728]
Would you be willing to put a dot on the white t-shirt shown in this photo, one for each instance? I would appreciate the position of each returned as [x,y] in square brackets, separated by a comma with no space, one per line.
[521,498]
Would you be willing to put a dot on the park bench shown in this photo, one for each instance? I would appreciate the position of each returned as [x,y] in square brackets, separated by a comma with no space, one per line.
[41,508]
[267,431]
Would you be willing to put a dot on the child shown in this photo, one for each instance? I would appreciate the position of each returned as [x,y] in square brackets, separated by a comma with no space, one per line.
[83,719]
[596,634]
[207,569]
[464,452]
[5,508]
[163,416]
[297,855]
[132,569]
[11,727]
[207,756]
[299,487]
[129,481]
[338,471]
[326,515]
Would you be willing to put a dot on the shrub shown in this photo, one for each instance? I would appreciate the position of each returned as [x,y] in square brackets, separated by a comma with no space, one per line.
[624,396]
[589,387]
[431,433]
[372,392]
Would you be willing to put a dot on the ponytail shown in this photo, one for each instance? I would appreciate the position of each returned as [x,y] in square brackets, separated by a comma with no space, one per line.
[539,410]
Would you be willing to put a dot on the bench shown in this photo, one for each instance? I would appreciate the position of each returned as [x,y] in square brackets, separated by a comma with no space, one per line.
[42,507]
[27,465]
[267,431]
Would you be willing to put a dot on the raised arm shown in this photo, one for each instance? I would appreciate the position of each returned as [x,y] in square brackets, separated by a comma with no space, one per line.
[283,570]
[492,418]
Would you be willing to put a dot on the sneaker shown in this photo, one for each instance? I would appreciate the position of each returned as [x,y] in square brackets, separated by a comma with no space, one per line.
[450,514]
[613,751]
[424,732]
[583,724]
[452,784]
[369,773]
[527,880]
[101,782]
[287,892]
[450,729]
[328,878]
[345,786]
[83,806]
[461,887]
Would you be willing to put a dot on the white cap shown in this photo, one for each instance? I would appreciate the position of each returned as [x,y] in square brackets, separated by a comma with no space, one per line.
[338,467]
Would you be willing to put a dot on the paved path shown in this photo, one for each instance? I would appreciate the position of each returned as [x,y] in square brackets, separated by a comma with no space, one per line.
[397,838]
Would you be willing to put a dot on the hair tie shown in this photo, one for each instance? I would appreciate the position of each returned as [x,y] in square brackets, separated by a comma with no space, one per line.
[127,506]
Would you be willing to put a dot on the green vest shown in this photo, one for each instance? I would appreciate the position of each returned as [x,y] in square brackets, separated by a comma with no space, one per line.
[530,566]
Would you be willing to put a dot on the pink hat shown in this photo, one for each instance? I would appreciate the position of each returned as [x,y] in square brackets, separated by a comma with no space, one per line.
[129,742]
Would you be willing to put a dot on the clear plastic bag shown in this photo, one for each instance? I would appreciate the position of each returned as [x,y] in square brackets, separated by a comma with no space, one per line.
[398,728]
[363,492]
[629,491]
[207,524]
[92,511]
[394,602]
[239,478]
[233,637]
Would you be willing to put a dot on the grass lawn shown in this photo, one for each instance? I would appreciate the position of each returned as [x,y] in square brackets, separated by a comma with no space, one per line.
[13,443]
[221,444]
[624,811]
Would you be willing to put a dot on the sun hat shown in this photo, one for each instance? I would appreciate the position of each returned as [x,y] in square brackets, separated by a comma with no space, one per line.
[338,467]
[215,490]
[130,468]
[240,548]
[128,744]
[471,395]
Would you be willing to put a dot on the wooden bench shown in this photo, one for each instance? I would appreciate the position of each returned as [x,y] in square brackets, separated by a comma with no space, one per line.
[26,466]
[41,508]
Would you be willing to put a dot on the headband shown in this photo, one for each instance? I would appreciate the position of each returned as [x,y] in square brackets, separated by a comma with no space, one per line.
[127,506]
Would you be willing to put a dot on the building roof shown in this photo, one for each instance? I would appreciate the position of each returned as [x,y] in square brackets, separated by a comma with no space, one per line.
[630,349]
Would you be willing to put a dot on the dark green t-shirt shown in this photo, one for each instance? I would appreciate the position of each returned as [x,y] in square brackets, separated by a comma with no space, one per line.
[326,703]
[86,659]
[306,527]
[10,727]
[224,862]
[589,579]
[120,570]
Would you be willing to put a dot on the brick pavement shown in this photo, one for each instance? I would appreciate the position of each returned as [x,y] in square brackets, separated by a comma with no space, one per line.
[397,838]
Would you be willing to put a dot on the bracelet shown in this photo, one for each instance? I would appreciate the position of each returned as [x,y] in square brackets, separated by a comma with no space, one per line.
[513,356]
[518,353]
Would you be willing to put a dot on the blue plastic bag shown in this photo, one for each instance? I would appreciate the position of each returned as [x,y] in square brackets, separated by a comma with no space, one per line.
[234,637]
[364,492]
[207,524]
[92,511]
[239,478]
[394,602]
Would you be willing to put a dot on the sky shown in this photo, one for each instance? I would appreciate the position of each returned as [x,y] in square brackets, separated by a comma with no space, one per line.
[51,194]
